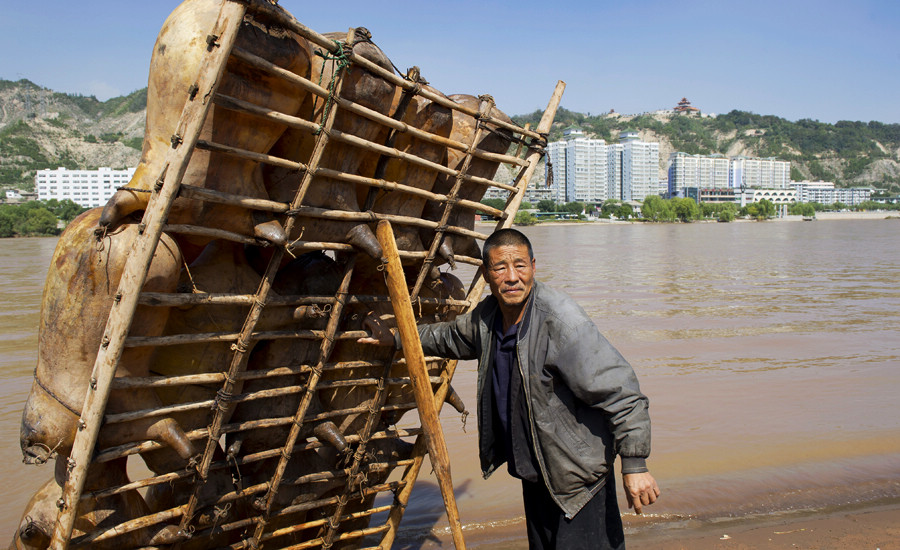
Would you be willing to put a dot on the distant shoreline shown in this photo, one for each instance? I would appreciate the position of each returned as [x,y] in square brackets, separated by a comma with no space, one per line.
[820,216]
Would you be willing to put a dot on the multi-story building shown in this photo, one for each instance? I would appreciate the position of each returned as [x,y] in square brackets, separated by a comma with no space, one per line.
[640,168]
[701,171]
[592,171]
[87,188]
[555,170]
[579,168]
[826,193]
[766,173]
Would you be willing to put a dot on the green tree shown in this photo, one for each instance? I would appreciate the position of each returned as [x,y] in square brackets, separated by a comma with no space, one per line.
[624,212]
[39,221]
[657,209]
[726,215]
[608,208]
[761,210]
[802,209]
[525,218]
[546,205]
[685,209]
[7,222]
[573,207]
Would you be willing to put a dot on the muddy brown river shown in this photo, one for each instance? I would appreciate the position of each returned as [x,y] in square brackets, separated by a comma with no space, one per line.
[770,353]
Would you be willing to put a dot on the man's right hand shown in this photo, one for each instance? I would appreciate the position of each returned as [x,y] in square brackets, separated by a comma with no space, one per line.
[380,332]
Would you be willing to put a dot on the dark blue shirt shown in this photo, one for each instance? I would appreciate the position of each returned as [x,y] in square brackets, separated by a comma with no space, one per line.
[510,408]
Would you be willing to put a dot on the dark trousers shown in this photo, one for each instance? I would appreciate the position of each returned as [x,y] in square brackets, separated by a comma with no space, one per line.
[597,526]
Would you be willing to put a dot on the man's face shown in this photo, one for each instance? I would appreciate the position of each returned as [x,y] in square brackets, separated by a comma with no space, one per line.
[510,274]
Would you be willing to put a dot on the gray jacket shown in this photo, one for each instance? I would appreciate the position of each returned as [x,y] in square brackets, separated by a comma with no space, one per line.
[584,402]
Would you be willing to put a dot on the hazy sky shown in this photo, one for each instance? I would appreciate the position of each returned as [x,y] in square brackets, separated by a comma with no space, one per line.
[825,60]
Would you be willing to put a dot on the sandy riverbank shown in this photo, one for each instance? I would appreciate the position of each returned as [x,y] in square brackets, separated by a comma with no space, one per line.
[863,527]
[858,528]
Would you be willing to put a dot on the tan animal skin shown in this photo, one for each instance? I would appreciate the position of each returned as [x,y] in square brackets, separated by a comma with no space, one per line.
[359,86]
[78,294]
[493,140]
[175,64]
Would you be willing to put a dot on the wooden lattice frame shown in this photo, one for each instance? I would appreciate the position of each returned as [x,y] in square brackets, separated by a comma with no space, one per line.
[154,223]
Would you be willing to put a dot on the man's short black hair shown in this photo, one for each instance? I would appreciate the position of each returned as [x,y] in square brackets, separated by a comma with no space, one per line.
[505,237]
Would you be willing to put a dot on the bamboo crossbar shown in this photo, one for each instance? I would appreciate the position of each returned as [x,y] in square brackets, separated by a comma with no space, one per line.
[342,537]
[321,213]
[213,337]
[128,449]
[337,474]
[312,505]
[317,523]
[211,195]
[309,246]
[251,155]
[175,299]
[212,233]
[129,526]
[214,377]
[252,396]
[357,142]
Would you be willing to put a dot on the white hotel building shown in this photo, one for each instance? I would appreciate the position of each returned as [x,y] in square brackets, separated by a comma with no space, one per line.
[590,170]
[87,188]
[826,193]
[717,172]
[700,171]
[767,173]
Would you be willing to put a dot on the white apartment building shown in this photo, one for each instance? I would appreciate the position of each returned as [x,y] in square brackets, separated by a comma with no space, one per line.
[590,170]
[826,193]
[700,171]
[555,170]
[87,188]
[586,170]
[579,168]
[767,173]
[640,168]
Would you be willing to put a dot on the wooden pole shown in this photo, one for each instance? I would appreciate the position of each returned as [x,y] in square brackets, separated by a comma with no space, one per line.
[418,374]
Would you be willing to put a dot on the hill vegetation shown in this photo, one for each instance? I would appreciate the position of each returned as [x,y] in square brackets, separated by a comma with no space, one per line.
[40,128]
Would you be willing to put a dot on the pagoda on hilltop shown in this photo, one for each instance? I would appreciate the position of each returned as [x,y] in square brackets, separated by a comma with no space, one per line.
[684,107]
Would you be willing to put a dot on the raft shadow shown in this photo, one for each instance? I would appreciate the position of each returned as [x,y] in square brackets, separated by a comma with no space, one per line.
[425,513]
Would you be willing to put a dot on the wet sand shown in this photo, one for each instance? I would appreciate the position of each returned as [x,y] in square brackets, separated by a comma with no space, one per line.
[869,527]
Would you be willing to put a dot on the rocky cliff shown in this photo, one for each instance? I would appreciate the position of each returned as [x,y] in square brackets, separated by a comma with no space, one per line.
[40,128]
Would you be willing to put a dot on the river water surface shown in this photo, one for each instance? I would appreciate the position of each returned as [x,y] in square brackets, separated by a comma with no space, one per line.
[770,353]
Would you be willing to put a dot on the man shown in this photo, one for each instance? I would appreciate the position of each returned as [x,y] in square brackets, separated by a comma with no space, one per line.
[555,401]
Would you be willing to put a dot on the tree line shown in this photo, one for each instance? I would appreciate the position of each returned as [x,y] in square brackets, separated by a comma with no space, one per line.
[657,209]
[37,218]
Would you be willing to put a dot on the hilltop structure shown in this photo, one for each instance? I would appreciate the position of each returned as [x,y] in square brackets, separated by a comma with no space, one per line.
[684,107]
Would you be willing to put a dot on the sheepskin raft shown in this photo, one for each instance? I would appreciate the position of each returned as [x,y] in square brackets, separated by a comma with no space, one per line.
[204,323]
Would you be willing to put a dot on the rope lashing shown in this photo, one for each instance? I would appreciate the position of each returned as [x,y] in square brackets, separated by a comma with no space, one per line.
[342,61]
